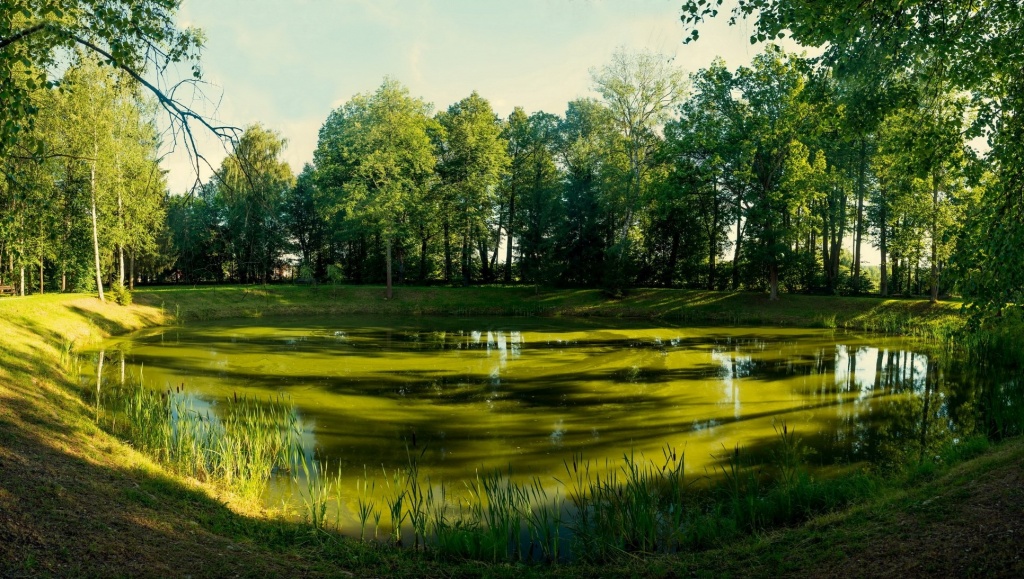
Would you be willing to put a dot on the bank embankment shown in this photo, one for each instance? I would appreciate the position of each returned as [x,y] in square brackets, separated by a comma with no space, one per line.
[673,306]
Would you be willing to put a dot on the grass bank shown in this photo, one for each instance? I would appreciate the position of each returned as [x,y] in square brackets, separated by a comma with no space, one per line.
[678,306]
[75,501]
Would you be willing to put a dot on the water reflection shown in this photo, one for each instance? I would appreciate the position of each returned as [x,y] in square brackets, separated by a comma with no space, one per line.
[528,394]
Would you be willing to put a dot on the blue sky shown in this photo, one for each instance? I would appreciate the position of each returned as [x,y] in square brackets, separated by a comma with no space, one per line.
[288,64]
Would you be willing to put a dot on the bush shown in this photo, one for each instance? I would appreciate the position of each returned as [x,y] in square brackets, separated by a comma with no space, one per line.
[121,294]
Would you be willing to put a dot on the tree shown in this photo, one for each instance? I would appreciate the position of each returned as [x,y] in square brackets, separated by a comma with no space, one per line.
[972,46]
[582,242]
[92,105]
[375,159]
[540,211]
[640,89]
[304,223]
[517,133]
[472,158]
[252,183]
[707,146]
[772,89]
[198,236]
[130,35]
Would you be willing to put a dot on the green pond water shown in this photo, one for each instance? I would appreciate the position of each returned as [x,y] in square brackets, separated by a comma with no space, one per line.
[472,395]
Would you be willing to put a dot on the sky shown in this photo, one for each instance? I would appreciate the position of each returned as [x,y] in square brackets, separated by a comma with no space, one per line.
[288,64]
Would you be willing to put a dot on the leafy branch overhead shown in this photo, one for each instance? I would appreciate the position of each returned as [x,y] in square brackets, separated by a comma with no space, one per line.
[140,38]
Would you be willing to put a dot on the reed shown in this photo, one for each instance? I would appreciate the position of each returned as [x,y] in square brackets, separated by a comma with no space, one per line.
[366,506]
[240,446]
[638,508]
[317,495]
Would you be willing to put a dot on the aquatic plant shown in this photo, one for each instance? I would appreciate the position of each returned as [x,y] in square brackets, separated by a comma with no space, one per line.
[240,446]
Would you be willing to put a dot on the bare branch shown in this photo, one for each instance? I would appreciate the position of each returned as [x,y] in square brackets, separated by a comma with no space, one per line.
[181,115]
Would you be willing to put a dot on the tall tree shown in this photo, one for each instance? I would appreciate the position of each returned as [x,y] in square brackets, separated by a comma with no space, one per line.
[376,159]
[582,244]
[253,182]
[710,152]
[472,158]
[772,87]
[640,89]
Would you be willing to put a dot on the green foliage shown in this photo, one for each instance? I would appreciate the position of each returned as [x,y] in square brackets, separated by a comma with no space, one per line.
[472,156]
[374,164]
[101,151]
[126,34]
[122,296]
[947,48]
[251,188]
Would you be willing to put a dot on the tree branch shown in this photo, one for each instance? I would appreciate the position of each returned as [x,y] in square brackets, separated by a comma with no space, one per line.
[177,111]
[5,42]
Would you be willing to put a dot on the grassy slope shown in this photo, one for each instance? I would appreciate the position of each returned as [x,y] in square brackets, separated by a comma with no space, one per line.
[75,501]
[672,305]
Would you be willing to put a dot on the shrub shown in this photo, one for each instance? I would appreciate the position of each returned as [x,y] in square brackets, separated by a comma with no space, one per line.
[121,294]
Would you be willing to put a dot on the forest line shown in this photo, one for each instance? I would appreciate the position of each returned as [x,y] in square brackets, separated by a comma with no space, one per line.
[753,177]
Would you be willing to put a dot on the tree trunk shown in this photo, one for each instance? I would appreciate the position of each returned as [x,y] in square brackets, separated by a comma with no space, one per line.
[826,258]
[400,256]
[836,250]
[423,258]
[508,237]
[481,245]
[935,239]
[774,282]
[131,270]
[883,288]
[713,237]
[95,227]
[388,244]
[493,265]
[712,264]
[670,271]
[465,255]
[40,277]
[912,272]
[895,279]
[736,253]
[860,213]
[447,253]
[22,284]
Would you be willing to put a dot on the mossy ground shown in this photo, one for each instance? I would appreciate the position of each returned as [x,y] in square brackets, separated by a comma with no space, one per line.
[75,501]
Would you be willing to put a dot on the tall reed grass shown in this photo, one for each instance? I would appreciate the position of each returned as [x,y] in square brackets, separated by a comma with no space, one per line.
[640,506]
[240,446]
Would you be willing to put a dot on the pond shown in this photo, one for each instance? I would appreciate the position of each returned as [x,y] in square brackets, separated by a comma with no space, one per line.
[525,395]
